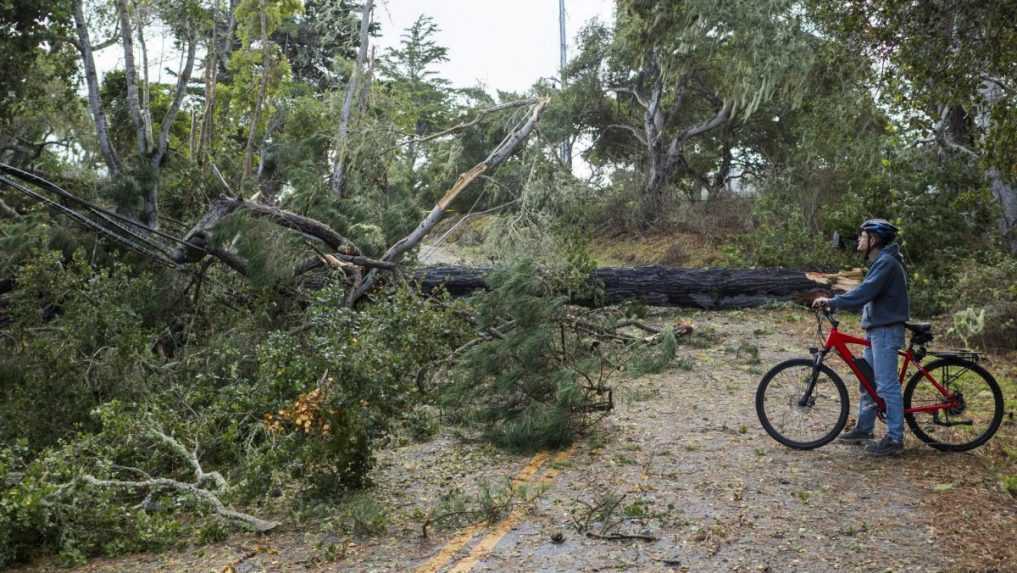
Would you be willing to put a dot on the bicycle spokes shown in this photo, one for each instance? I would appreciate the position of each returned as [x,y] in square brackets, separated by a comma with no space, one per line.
[960,414]
[800,411]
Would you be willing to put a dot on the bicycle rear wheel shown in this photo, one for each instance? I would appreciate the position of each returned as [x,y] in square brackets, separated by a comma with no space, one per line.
[801,427]
[971,422]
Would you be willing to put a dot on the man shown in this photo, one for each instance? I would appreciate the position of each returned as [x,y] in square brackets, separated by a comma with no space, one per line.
[884,295]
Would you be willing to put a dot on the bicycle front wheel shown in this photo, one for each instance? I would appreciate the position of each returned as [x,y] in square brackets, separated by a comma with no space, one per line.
[976,412]
[803,427]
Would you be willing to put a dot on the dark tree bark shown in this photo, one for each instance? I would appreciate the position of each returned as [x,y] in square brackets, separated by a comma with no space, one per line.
[660,286]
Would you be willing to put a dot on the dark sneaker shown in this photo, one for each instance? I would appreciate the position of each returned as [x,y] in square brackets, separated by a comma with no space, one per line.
[885,447]
[855,436]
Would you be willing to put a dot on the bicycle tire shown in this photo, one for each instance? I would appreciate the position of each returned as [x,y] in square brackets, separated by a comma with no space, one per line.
[805,364]
[917,424]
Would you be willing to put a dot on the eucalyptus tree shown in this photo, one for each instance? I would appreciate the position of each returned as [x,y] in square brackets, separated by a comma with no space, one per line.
[948,69]
[186,20]
[673,79]
[353,87]
[259,68]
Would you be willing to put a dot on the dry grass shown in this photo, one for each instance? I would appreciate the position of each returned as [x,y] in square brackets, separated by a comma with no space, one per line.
[671,249]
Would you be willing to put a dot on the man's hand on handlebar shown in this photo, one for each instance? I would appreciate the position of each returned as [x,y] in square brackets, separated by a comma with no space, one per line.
[821,302]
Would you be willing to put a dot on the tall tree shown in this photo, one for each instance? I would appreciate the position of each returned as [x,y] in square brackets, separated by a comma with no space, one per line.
[185,20]
[421,96]
[342,133]
[948,67]
[683,72]
[313,40]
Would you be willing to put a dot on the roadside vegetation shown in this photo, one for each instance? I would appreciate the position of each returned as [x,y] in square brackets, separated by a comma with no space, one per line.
[208,319]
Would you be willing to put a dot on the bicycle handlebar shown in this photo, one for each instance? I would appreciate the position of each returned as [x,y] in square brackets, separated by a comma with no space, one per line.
[828,313]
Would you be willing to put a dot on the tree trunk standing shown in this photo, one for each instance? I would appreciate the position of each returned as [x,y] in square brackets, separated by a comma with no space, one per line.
[266,65]
[365,85]
[150,216]
[146,100]
[411,155]
[665,156]
[133,100]
[1004,191]
[94,102]
[211,79]
[342,135]
[1006,194]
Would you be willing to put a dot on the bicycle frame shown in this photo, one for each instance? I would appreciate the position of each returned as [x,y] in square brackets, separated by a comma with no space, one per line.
[837,340]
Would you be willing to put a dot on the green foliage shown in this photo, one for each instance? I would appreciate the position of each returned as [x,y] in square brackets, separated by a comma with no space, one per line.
[532,384]
[79,339]
[656,358]
[782,236]
[313,40]
[28,26]
[423,423]
[938,53]
[489,503]
[987,292]
[43,506]
[364,516]
[1010,484]
[331,393]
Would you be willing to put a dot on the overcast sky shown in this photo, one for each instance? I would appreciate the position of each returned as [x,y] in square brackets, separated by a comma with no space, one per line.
[503,44]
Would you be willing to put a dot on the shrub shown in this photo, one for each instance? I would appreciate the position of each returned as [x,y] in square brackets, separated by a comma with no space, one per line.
[783,237]
[990,288]
[80,337]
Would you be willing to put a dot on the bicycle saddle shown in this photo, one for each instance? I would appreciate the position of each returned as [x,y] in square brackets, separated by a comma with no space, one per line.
[919,327]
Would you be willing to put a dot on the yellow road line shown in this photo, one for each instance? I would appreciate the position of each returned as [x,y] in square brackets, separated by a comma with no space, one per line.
[487,544]
[460,541]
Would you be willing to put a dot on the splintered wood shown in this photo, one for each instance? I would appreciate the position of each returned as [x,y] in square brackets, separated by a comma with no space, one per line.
[842,281]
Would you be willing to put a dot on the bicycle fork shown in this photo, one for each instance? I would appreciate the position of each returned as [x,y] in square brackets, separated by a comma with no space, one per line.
[817,362]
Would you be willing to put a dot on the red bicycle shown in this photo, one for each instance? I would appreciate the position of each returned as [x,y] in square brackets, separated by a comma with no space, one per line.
[951,404]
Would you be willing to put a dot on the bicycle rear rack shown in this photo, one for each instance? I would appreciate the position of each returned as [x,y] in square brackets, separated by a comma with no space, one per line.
[965,354]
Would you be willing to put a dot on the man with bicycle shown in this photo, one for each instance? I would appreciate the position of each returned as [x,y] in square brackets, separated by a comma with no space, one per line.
[884,298]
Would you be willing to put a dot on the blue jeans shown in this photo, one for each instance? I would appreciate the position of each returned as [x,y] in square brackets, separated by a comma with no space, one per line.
[882,355]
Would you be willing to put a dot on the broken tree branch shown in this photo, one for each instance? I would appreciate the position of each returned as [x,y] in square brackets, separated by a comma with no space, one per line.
[457,128]
[201,232]
[497,156]
[191,457]
[194,489]
[255,523]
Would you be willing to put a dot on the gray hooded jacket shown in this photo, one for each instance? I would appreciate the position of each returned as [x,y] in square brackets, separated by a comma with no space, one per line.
[884,292]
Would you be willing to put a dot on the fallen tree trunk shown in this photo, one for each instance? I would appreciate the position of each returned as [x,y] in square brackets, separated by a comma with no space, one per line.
[666,286]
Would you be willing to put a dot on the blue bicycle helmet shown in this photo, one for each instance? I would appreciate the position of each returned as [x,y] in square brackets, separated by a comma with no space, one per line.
[882,228]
